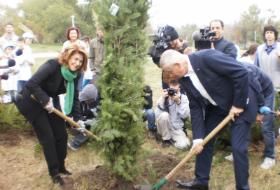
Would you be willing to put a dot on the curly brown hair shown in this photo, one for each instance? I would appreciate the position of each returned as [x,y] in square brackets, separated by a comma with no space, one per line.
[65,56]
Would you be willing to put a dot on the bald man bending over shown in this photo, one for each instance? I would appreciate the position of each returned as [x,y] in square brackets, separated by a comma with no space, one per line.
[216,86]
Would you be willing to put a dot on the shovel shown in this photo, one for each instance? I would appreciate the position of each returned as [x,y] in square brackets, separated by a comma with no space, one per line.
[168,177]
[68,119]
[73,123]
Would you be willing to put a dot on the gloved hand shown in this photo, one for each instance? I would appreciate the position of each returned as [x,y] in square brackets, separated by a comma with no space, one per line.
[49,106]
[94,112]
[264,110]
[82,127]
[197,146]
[88,121]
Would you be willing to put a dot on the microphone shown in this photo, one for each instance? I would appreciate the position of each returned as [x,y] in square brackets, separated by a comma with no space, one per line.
[4,77]
[196,36]
[11,62]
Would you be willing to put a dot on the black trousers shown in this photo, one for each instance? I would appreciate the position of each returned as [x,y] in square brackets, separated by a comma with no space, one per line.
[52,135]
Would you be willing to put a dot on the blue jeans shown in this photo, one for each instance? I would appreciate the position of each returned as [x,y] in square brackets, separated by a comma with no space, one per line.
[268,129]
[78,140]
[20,85]
[149,115]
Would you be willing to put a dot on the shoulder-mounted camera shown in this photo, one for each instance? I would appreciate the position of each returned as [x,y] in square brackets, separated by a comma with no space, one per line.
[162,41]
[203,38]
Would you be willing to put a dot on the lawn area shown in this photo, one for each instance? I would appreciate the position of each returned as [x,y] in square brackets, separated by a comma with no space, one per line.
[46,47]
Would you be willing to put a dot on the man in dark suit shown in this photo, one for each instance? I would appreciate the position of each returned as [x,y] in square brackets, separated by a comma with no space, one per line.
[219,42]
[216,86]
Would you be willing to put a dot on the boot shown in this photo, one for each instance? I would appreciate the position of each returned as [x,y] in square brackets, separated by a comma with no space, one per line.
[57,179]
[63,171]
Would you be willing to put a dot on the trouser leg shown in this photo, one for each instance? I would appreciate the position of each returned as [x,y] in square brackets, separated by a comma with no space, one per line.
[46,138]
[240,139]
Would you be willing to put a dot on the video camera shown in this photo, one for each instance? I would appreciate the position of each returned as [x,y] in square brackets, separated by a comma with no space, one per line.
[161,42]
[202,38]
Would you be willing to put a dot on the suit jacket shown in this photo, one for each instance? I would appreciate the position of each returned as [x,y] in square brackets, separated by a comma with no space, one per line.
[226,47]
[225,81]
[45,83]
[260,83]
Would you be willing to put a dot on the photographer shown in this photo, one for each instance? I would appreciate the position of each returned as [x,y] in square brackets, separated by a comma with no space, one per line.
[172,109]
[89,100]
[218,41]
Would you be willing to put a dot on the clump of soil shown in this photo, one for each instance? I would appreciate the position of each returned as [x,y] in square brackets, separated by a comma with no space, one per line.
[154,168]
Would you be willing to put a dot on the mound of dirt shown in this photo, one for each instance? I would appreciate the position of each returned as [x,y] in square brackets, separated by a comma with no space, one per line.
[154,167]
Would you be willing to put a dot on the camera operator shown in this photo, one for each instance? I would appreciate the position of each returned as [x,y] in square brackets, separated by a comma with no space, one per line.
[172,109]
[218,41]
[166,38]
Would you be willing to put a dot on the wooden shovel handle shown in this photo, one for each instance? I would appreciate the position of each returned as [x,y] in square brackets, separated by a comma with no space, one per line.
[72,122]
[214,132]
[69,120]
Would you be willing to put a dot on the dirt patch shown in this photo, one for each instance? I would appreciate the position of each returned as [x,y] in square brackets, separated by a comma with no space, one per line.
[12,136]
[154,168]
[8,137]
[100,179]
[159,165]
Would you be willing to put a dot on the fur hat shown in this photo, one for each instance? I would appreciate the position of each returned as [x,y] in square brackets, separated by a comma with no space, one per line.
[170,33]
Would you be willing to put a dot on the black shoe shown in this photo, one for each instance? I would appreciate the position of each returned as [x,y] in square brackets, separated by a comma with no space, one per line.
[65,172]
[191,185]
[152,133]
[57,179]
[166,143]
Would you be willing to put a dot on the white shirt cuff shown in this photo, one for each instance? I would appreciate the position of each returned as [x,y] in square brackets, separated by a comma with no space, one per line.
[197,141]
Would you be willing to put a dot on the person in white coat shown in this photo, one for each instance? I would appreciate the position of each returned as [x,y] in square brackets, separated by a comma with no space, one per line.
[172,109]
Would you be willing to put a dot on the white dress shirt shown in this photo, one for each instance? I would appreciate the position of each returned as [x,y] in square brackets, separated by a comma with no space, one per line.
[197,84]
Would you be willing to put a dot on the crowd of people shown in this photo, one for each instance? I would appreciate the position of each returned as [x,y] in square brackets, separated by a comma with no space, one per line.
[203,86]
[218,83]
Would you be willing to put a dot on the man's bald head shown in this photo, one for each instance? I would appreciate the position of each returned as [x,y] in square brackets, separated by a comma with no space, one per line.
[171,57]
[174,65]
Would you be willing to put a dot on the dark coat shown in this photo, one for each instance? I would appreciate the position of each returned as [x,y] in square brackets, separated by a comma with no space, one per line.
[226,47]
[225,81]
[45,83]
[260,83]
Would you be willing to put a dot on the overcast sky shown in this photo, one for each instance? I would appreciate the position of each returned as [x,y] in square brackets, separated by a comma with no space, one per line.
[200,12]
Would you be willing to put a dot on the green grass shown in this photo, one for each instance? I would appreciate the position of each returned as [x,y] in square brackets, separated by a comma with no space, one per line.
[38,63]
[46,47]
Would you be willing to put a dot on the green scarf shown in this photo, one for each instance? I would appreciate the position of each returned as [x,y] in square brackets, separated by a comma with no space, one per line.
[69,77]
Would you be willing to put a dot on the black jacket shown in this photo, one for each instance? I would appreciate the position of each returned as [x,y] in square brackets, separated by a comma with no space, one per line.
[45,83]
[148,97]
